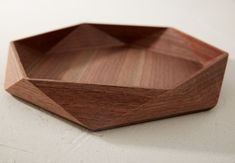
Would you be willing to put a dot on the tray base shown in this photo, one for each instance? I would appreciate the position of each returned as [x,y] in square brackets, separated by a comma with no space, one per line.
[118,66]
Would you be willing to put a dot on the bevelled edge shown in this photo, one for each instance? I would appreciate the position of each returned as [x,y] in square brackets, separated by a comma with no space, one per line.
[14,71]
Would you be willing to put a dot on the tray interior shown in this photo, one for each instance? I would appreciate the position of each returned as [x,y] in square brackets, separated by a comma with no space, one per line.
[157,58]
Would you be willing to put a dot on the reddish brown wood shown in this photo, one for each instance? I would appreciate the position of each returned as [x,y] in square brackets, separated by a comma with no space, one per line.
[103,76]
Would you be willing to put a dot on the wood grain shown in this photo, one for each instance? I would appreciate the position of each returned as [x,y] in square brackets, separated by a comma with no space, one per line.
[101,76]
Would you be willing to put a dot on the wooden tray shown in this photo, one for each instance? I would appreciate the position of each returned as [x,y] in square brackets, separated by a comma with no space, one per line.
[102,76]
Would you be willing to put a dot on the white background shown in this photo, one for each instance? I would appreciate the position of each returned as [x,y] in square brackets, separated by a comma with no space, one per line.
[28,134]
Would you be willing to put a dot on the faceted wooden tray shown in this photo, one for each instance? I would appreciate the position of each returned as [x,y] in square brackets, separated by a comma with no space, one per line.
[102,76]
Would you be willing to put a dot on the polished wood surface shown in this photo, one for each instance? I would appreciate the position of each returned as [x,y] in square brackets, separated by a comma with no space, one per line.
[102,76]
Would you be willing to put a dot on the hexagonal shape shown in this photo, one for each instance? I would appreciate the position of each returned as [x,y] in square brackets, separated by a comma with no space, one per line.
[102,76]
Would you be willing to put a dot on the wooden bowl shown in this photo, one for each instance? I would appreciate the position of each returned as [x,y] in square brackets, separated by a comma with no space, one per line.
[102,76]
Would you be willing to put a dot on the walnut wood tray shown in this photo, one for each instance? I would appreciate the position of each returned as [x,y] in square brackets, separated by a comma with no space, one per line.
[103,76]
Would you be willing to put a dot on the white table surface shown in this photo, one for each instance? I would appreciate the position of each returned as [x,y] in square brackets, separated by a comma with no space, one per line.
[28,134]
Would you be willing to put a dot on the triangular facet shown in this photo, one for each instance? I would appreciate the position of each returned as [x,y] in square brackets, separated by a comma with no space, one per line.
[27,91]
[13,72]
[85,36]
[94,105]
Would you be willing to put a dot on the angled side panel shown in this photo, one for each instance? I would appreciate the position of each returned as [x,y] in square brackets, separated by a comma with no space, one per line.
[199,93]
[45,41]
[95,106]
[13,72]
[28,56]
[27,91]
[129,34]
